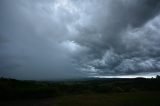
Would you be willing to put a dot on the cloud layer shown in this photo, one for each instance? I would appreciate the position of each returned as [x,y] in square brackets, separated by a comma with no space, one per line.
[73,39]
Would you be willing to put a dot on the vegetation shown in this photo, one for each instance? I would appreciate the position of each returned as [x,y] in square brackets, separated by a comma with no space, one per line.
[12,89]
[88,92]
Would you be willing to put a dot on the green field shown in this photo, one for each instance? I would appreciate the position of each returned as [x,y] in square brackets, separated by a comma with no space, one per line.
[117,99]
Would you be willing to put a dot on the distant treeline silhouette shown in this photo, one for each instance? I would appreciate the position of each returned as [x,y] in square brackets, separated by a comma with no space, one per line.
[16,89]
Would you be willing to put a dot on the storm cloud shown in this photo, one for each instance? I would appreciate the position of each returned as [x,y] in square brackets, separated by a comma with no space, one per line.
[59,39]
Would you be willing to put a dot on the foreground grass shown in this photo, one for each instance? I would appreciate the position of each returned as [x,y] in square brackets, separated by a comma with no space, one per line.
[117,99]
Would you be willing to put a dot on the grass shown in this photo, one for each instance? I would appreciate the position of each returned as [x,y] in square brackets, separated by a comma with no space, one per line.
[116,99]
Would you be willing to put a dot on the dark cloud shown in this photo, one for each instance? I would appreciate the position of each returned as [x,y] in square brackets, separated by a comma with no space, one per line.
[34,49]
[45,39]
[119,31]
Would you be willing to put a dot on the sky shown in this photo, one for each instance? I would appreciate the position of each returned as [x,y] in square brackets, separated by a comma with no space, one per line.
[64,39]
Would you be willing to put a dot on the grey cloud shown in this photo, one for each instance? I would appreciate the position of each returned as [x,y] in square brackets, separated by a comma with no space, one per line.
[108,23]
[34,32]
[45,39]
[112,18]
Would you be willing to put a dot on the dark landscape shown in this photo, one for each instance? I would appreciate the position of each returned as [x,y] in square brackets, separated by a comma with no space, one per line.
[86,92]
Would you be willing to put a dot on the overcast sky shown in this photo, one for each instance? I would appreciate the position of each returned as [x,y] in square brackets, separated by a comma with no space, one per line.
[59,39]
